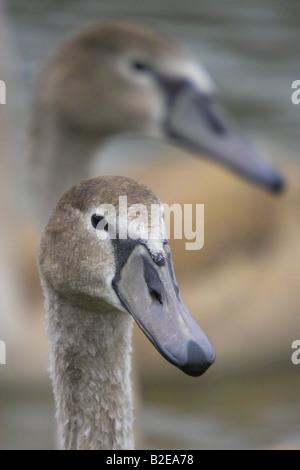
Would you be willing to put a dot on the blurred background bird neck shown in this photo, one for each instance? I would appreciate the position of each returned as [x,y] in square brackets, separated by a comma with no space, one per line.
[65,154]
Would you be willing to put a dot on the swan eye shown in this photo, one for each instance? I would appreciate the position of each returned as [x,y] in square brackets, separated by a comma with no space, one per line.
[140,66]
[95,219]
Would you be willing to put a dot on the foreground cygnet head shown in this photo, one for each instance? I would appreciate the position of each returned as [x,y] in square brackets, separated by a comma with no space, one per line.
[84,261]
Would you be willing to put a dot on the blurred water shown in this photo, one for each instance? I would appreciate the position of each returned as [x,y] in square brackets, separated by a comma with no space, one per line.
[245,412]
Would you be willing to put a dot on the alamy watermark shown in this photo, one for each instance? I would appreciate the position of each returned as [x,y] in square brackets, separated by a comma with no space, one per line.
[2,353]
[2,92]
[296,94]
[296,353]
[141,222]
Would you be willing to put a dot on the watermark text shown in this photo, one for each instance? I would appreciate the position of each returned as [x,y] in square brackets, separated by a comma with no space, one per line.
[2,92]
[158,222]
[2,353]
[296,93]
[296,353]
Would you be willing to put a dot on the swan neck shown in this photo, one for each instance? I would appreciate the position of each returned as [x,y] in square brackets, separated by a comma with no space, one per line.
[90,362]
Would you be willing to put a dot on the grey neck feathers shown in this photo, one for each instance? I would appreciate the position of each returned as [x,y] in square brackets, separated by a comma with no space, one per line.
[90,369]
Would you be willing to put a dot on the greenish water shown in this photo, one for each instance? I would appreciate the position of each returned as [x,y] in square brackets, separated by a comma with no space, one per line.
[243,411]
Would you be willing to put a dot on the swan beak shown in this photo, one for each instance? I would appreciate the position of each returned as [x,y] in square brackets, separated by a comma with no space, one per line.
[197,122]
[150,294]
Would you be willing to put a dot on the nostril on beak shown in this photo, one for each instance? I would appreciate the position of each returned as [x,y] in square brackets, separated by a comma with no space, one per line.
[153,281]
[156,296]
[213,121]
[198,359]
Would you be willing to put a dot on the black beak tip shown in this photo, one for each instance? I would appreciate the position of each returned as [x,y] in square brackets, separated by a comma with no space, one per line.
[277,185]
[198,360]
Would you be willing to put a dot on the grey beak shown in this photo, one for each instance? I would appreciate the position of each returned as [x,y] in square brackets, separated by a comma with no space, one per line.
[198,122]
[150,294]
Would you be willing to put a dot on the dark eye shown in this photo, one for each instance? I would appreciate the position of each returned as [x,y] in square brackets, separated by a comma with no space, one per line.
[140,66]
[95,219]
